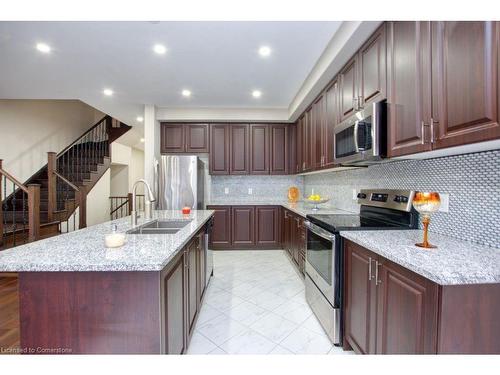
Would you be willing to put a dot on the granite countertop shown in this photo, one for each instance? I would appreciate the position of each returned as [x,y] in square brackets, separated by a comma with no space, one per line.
[300,208]
[454,262]
[84,250]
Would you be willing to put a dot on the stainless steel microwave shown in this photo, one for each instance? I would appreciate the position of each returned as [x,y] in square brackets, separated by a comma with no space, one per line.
[362,138]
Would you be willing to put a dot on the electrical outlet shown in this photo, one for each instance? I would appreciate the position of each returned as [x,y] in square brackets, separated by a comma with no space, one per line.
[445,202]
[250,191]
[226,190]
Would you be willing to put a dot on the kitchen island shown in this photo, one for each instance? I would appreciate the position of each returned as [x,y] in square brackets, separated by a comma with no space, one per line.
[77,296]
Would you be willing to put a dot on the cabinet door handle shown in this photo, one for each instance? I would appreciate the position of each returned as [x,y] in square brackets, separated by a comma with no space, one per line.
[423,126]
[377,281]
[432,129]
[369,268]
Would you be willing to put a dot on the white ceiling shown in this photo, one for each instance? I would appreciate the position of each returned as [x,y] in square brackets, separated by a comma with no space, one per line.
[217,61]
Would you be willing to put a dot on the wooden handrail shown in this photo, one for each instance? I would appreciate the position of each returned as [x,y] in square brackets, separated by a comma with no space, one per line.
[65,180]
[84,134]
[33,193]
[120,206]
[13,179]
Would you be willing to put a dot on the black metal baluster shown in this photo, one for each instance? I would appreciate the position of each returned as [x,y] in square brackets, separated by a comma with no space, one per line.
[14,222]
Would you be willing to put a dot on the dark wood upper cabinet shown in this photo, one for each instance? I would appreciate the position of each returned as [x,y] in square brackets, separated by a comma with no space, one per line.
[465,71]
[299,147]
[221,231]
[259,149]
[360,300]
[317,132]
[372,65]
[292,149]
[267,226]
[331,120]
[184,138]
[279,148]
[406,312]
[197,138]
[409,87]
[219,149]
[348,89]
[243,221]
[172,138]
[239,149]
[307,140]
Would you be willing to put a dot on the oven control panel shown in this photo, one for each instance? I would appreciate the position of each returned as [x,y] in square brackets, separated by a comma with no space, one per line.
[387,198]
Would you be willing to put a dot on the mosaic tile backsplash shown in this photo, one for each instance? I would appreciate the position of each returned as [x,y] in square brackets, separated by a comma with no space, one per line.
[263,187]
[472,182]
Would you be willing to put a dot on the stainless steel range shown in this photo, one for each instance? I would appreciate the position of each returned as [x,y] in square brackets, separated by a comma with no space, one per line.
[381,209]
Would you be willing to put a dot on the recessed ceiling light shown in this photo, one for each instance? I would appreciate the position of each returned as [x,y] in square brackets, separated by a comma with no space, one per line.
[264,51]
[160,49]
[140,119]
[107,92]
[42,47]
[256,94]
[186,93]
[142,140]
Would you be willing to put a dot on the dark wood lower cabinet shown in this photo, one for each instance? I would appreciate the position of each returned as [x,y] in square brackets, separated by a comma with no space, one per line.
[192,285]
[242,226]
[406,311]
[359,303]
[294,238]
[267,226]
[389,309]
[220,238]
[174,306]
[246,227]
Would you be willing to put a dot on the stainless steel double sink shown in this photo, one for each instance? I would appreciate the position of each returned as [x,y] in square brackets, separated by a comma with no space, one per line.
[160,227]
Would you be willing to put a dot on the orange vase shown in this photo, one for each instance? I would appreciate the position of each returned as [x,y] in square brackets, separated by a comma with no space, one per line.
[293,194]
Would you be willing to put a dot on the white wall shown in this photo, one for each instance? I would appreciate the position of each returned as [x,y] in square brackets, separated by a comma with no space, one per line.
[133,160]
[98,206]
[119,180]
[31,128]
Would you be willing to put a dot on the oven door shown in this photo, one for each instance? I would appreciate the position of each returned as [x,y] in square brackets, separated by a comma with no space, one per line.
[321,264]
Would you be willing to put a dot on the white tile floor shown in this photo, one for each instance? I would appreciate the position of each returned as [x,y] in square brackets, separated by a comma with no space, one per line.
[255,304]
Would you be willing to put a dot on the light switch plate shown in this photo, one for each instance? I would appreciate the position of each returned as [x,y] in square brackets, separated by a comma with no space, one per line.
[445,202]
[226,190]
[354,194]
[250,191]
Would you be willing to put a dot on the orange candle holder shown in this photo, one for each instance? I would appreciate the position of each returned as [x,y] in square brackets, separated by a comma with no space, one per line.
[426,203]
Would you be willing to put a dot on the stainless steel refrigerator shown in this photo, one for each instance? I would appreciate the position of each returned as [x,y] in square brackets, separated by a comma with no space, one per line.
[180,182]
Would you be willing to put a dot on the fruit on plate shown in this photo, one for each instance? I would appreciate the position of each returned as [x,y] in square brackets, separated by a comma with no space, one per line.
[314,197]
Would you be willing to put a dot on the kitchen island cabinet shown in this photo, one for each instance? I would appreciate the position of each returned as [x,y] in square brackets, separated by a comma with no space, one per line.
[78,297]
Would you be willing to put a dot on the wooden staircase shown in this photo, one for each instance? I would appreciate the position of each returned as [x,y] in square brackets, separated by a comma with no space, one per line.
[59,188]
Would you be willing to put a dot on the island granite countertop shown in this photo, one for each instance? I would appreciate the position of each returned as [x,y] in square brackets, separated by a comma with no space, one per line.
[300,208]
[84,250]
[454,262]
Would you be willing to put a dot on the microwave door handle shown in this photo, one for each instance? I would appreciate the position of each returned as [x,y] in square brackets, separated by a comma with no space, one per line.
[356,145]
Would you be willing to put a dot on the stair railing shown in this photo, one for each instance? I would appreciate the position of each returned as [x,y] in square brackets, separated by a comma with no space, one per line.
[121,206]
[27,227]
[68,170]
[60,192]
